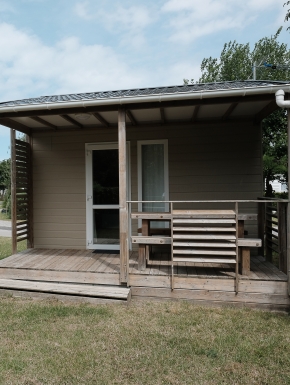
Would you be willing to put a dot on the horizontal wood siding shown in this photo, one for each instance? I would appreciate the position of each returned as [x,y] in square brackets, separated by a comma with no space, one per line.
[205,162]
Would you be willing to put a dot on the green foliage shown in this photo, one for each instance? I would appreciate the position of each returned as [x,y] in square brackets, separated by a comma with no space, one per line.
[5,174]
[275,156]
[236,63]
[7,202]
[5,182]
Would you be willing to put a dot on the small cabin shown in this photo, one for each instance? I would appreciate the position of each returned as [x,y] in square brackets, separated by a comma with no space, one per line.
[159,190]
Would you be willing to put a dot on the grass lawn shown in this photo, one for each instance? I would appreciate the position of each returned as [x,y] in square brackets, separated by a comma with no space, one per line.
[6,247]
[144,343]
[3,216]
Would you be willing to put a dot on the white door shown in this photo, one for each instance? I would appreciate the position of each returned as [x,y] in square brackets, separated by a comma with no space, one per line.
[102,185]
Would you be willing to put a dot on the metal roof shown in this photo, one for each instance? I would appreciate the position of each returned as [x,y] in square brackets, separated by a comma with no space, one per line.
[189,88]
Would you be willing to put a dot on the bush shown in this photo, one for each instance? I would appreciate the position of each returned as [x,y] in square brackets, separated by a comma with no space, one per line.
[7,203]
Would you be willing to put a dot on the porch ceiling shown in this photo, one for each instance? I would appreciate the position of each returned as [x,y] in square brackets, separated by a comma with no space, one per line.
[193,104]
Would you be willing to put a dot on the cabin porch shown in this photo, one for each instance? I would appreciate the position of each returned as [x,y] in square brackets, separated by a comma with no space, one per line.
[265,286]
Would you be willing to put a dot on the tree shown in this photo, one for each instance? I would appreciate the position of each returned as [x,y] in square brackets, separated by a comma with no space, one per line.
[236,63]
[274,143]
[4,175]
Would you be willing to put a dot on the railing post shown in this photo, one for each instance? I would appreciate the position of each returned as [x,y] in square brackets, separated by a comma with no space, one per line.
[13,192]
[30,239]
[282,235]
[268,242]
[261,227]
[124,234]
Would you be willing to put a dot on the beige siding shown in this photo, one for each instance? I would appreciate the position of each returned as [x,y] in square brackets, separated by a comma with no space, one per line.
[205,162]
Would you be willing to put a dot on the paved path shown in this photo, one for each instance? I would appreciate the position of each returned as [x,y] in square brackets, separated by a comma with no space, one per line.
[5,229]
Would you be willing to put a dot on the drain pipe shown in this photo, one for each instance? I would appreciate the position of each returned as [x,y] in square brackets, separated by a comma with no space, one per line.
[280,94]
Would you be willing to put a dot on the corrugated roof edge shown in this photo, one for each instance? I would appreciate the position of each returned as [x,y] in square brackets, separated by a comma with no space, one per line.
[146,93]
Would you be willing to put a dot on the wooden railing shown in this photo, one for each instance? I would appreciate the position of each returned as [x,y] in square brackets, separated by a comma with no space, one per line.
[271,223]
[21,192]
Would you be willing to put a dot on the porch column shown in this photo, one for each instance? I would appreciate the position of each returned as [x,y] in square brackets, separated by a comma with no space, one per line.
[30,239]
[288,205]
[124,251]
[13,191]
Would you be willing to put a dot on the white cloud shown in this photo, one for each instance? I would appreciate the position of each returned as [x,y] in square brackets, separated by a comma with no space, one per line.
[128,22]
[28,67]
[135,17]
[81,9]
[191,19]
[183,70]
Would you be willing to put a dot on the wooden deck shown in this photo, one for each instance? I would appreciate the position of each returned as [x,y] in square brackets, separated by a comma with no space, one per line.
[265,286]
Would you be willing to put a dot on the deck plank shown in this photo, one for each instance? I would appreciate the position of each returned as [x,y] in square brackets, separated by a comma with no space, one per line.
[63,288]
[96,267]
[15,259]
[87,261]
[39,263]
[44,263]
[29,259]
[66,260]
[260,270]
[79,259]
[273,268]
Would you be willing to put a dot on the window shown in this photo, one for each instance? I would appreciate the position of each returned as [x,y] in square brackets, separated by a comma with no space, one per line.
[153,176]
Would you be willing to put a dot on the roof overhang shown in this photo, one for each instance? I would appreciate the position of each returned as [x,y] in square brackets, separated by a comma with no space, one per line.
[246,103]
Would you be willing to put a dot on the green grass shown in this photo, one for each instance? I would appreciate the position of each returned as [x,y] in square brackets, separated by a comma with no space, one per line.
[3,217]
[144,343]
[6,247]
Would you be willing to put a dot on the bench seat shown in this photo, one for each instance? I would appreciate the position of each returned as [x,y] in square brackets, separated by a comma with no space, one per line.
[244,245]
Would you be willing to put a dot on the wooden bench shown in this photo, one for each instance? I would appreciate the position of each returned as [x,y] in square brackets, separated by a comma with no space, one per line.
[243,243]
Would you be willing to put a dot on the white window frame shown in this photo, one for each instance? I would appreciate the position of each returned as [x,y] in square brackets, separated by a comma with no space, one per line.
[89,147]
[166,171]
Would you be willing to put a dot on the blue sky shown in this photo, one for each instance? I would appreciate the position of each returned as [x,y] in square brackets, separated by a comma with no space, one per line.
[59,46]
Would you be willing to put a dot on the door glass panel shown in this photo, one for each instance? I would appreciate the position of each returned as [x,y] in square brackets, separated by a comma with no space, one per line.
[105,177]
[153,183]
[106,226]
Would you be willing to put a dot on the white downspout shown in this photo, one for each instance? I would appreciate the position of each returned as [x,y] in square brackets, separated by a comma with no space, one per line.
[280,99]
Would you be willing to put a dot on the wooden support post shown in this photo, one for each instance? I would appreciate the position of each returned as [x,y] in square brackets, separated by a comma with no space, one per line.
[30,239]
[288,205]
[13,192]
[237,248]
[143,249]
[245,260]
[241,234]
[261,227]
[124,244]
[282,241]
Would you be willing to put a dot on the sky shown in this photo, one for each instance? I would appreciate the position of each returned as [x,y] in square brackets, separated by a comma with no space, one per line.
[50,47]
